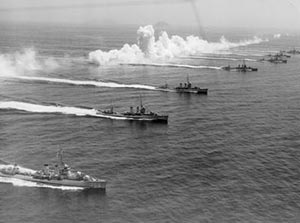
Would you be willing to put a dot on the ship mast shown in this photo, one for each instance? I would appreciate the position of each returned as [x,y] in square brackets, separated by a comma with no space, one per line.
[141,103]
[60,158]
[143,109]
[111,106]
[189,85]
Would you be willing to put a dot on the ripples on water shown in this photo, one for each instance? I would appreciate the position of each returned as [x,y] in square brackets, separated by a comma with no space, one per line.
[226,157]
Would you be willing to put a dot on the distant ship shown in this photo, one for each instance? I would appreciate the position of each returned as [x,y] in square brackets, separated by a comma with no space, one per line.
[58,175]
[141,114]
[282,54]
[185,88]
[240,68]
[274,59]
[293,51]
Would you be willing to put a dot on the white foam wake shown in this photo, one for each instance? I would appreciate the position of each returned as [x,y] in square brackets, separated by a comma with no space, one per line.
[243,54]
[24,183]
[150,50]
[36,108]
[85,82]
[220,58]
[23,106]
[174,65]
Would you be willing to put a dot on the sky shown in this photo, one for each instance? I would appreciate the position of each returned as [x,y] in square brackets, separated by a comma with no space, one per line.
[206,13]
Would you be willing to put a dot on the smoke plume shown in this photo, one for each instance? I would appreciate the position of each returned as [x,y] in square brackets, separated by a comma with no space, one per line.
[20,62]
[148,50]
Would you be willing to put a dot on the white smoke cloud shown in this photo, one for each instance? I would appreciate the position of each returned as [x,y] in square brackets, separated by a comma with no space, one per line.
[277,36]
[27,60]
[149,50]
[146,40]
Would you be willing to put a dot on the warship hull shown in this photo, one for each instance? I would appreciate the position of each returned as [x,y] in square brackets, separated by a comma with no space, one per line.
[98,184]
[139,117]
[277,61]
[240,69]
[192,91]
[185,88]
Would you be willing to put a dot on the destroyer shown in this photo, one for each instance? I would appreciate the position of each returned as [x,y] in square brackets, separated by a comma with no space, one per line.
[275,59]
[293,51]
[185,88]
[141,114]
[280,57]
[282,54]
[240,68]
[58,175]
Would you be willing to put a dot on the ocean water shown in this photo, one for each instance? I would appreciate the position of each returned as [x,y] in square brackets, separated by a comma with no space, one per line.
[230,156]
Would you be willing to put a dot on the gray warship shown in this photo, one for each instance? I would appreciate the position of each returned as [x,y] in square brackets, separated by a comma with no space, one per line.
[140,114]
[185,88]
[240,68]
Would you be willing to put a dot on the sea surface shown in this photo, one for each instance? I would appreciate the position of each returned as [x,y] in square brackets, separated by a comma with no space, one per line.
[230,156]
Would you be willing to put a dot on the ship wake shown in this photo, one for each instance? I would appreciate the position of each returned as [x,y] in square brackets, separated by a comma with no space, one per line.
[91,83]
[24,183]
[220,58]
[52,109]
[174,65]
